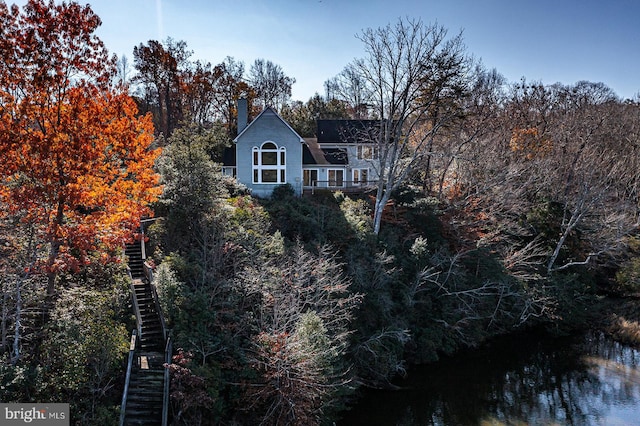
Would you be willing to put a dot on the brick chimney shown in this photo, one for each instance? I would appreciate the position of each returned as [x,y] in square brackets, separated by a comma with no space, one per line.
[243,114]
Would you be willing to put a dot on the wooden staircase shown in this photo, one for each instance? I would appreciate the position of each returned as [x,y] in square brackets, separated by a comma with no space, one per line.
[144,397]
[146,391]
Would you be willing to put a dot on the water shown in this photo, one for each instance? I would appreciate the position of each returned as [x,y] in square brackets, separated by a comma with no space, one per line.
[527,380]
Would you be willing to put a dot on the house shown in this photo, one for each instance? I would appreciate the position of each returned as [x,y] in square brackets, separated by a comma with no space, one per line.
[267,153]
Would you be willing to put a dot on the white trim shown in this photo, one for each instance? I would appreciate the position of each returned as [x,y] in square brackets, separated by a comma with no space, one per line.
[329,170]
[310,169]
[367,152]
[280,166]
[359,171]
[260,115]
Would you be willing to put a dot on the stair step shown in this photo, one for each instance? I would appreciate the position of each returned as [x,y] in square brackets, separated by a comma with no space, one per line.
[147,382]
[151,326]
[151,337]
[149,385]
[144,396]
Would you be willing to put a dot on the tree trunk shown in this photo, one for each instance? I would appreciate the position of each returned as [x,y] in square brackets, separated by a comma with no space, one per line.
[382,197]
[54,250]
[15,352]
[5,316]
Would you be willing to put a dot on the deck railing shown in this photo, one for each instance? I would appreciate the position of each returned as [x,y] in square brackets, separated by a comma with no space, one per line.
[340,185]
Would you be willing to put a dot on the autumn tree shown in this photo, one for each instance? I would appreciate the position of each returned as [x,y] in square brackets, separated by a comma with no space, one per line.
[412,76]
[198,82]
[160,68]
[443,172]
[230,86]
[77,159]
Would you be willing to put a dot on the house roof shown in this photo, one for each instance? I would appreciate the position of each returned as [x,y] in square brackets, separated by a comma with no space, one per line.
[313,153]
[336,156]
[346,131]
[267,112]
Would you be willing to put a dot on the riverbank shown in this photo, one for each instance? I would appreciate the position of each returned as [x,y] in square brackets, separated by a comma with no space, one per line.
[620,319]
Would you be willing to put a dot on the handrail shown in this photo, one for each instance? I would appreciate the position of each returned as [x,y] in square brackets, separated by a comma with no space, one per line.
[142,245]
[156,302]
[148,271]
[127,380]
[340,185]
[143,250]
[136,307]
[168,352]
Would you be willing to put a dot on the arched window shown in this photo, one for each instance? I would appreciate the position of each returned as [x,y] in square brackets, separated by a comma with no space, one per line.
[269,163]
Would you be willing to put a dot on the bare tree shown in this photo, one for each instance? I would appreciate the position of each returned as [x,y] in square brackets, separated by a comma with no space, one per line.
[123,70]
[593,174]
[272,86]
[304,324]
[556,185]
[350,87]
[416,77]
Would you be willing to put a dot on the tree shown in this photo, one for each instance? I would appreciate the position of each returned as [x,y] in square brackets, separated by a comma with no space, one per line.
[229,87]
[553,187]
[160,68]
[77,160]
[272,86]
[413,78]
[199,96]
[596,187]
[351,87]
[303,117]
[123,70]
[304,325]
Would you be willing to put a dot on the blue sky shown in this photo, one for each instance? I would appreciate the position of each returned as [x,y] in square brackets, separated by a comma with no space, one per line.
[543,40]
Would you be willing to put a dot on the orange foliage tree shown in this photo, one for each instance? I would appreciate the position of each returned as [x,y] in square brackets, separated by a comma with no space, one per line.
[77,163]
[529,142]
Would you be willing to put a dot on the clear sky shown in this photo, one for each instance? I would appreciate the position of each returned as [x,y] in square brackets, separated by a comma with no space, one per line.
[312,40]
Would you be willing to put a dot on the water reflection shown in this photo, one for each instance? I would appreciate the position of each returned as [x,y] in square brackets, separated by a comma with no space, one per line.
[532,380]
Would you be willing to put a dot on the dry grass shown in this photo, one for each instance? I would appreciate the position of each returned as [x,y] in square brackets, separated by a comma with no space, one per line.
[620,319]
[625,330]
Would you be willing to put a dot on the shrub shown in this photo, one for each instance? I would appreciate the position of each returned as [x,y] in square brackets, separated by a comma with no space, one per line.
[283,192]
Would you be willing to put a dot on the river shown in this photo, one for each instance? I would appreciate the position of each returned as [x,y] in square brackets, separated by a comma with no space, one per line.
[533,379]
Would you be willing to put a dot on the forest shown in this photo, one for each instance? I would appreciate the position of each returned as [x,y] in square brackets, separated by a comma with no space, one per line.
[501,207]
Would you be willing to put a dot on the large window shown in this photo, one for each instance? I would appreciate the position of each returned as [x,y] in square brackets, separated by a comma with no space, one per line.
[269,163]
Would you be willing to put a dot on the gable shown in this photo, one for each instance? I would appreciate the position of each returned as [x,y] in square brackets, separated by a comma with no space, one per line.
[268,125]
